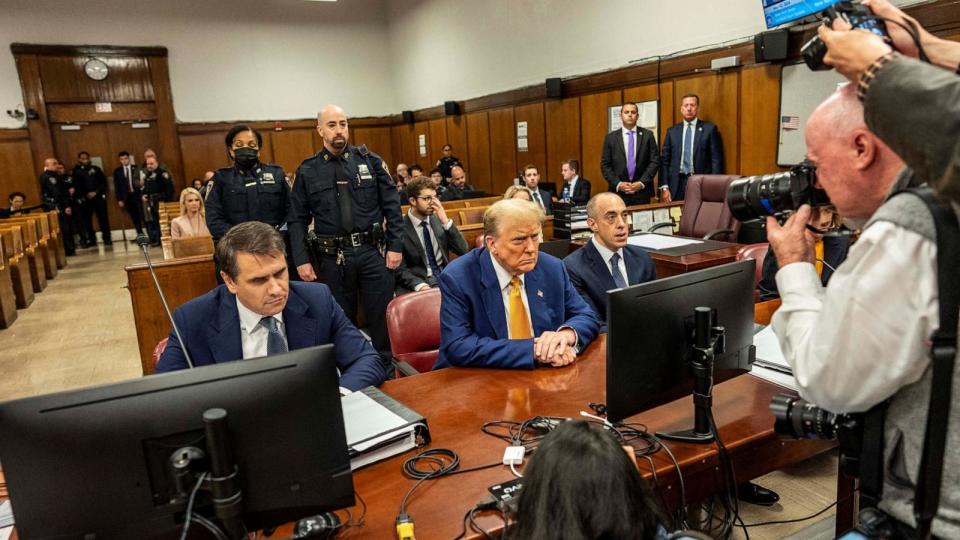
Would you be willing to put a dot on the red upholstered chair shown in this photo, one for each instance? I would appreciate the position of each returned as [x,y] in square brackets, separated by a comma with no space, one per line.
[158,352]
[757,252]
[413,323]
[705,213]
[479,241]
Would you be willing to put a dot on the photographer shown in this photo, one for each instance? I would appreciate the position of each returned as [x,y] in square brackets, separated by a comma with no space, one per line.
[913,106]
[864,338]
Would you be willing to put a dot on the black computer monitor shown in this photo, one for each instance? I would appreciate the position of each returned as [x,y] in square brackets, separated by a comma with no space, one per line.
[650,335]
[96,461]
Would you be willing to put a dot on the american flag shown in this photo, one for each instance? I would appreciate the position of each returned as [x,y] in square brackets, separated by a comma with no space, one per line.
[790,122]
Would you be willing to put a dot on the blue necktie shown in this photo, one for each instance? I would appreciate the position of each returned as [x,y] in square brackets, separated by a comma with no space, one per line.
[686,165]
[615,271]
[631,155]
[431,254]
[276,343]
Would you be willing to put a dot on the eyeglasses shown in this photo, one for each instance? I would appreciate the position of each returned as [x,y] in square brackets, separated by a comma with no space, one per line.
[430,198]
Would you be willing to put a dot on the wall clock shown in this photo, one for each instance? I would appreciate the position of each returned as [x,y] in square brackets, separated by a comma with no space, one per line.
[96,69]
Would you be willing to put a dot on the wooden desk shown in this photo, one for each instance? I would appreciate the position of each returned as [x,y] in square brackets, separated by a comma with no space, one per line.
[470,397]
[181,280]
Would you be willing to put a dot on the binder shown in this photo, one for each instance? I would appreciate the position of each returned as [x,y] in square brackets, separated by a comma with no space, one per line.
[379,427]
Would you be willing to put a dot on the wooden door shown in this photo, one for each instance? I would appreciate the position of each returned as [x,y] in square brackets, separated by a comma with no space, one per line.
[104,140]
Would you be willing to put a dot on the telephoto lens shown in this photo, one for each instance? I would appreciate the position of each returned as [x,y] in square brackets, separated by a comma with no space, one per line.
[779,194]
[801,419]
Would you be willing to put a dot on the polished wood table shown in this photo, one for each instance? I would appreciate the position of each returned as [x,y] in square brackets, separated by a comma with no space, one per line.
[457,402]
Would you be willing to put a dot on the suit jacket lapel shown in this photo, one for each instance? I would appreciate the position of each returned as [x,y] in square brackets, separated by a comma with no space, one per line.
[441,237]
[697,141]
[412,233]
[622,148]
[302,330]
[633,267]
[224,333]
[599,266]
[533,283]
[492,297]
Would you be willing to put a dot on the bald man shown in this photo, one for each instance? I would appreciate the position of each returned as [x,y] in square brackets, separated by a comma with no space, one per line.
[348,193]
[55,195]
[864,340]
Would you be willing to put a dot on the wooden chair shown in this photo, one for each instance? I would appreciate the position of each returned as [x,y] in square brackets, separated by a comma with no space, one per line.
[192,246]
[482,201]
[472,215]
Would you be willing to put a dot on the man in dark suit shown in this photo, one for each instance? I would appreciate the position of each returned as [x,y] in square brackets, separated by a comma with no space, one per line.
[429,236]
[630,159]
[607,261]
[691,147]
[541,197]
[578,189]
[259,312]
[126,184]
[507,305]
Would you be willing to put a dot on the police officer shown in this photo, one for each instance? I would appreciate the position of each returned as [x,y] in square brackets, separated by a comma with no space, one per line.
[157,187]
[93,187]
[54,194]
[348,193]
[249,190]
[76,203]
[447,163]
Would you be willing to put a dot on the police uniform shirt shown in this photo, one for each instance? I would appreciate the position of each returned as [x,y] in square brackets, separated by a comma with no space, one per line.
[258,194]
[446,164]
[315,196]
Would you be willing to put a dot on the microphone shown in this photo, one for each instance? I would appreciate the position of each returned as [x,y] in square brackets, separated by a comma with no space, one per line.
[144,242]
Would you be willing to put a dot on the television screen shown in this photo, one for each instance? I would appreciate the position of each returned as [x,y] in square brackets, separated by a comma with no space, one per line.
[777,12]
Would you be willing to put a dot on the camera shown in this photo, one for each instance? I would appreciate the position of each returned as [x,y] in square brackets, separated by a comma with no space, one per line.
[755,197]
[797,418]
[857,15]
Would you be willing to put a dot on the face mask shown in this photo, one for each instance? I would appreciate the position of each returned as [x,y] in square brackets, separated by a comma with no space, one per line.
[245,157]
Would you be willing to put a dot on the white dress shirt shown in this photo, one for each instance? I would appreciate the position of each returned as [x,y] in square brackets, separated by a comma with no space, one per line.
[253,335]
[503,278]
[683,142]
[437,254]
[606,254]
[856,342]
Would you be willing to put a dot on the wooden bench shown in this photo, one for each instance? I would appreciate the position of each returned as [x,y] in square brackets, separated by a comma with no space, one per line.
[19,267]
[191,246]
[53,218]
[46,250]
[8,301]
[31,251]
[182,280]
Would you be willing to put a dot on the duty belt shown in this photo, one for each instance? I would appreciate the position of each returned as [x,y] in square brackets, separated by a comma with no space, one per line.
[331,245]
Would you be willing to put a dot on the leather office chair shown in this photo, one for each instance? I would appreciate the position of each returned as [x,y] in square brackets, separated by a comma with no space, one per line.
[757,252]
[158,352]
[705,213]
[413,324]
[479,241]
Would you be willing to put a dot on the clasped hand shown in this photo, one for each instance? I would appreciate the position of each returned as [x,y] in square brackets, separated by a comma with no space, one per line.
[555,348]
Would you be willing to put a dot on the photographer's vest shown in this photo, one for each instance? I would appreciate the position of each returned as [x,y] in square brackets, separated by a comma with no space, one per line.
[907,412]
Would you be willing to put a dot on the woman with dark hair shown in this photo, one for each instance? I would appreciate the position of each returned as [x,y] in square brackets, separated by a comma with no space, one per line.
[582,485]
[249,190]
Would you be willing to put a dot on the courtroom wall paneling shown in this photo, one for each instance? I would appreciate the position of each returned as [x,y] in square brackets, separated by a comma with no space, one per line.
[290,147]
[203,152]
[759,122]
[562,129]
[536,152]
[437,138]
[503,145]
[457,137]
[478,151]
[419,128]
[378,141]
[17,170]
[64,80]
[594,111]
[720,104]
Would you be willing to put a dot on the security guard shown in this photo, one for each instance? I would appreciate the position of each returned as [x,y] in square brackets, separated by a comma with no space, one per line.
[54,194]
[447,163]
[348,193]
[247,191]
[157,187]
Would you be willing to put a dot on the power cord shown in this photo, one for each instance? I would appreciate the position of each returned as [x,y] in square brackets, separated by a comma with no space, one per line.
[798,520]
[190,501]
[439,462]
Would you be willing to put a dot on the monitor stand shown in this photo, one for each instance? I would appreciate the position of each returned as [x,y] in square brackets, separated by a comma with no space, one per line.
[708,340]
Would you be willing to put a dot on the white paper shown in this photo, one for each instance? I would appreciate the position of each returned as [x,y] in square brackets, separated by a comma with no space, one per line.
[614,121]
[661,215]
[787,381]
[103,107]
[661,241]
[364,418]
[768,348]
[422,139]
[648,114]
[642,221]
[521,129]
[522,144]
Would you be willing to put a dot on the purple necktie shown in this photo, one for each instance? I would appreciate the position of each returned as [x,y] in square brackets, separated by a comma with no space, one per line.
[631,162]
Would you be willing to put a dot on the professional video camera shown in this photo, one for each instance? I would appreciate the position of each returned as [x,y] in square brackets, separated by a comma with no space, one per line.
[779,194]
[857,15]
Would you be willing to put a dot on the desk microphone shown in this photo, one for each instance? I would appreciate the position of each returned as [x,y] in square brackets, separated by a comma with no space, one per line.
[144,242]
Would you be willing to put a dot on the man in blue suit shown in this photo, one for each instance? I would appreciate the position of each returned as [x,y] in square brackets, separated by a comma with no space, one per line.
[541,197]
[690,147]
[258,312]
[507,305]
[607,261]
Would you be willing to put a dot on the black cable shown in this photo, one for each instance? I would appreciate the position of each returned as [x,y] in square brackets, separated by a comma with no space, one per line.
[210,526]
[189,514]
[475,526]
[797,520]
[436,458]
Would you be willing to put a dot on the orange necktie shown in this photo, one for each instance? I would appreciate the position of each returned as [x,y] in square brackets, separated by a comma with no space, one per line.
[519,323]
[818,263]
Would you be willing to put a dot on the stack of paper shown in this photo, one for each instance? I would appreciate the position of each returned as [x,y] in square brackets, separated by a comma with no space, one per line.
[770,363]
[379,427]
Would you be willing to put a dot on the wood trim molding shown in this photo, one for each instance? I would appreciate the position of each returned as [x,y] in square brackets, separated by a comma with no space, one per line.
[85,50]
[16,134]
[68,113]
[41,139]
[169,143]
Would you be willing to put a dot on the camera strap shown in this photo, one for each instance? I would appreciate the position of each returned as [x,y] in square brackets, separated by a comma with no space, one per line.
[943,352]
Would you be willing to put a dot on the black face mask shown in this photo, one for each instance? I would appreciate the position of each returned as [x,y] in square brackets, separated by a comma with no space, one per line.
[246,157]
